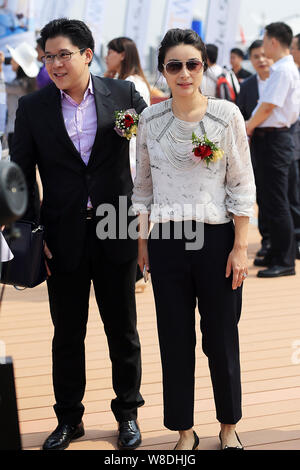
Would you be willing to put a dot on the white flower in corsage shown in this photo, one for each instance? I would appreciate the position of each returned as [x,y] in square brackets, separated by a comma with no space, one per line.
[126,123]
[206,149]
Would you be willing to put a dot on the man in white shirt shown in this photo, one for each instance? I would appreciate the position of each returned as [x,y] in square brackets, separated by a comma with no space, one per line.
[272,120]
[295,50]
[210,77]
[251,89]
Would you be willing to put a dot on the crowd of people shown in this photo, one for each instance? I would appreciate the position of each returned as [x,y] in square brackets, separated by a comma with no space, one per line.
[269,103]
[194,174]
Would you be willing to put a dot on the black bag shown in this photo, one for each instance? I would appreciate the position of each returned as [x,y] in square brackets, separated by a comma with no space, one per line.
[27,268]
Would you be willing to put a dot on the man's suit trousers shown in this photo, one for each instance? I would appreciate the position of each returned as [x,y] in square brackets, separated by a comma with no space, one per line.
[114,286]
[274,152]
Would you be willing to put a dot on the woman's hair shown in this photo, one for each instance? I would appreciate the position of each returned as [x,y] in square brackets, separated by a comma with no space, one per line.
[131,64]
[176,37]
[29,84]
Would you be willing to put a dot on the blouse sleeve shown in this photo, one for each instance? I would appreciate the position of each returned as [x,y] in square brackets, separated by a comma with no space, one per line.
[143,188]
[239,184]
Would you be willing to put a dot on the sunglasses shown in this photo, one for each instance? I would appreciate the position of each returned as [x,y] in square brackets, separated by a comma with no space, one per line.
[175,66]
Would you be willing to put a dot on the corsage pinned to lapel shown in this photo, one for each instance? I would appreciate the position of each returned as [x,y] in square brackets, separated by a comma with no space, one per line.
[126,123]
[206,149]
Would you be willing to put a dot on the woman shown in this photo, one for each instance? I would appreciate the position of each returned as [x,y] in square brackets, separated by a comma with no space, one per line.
[186,197]
[5,253]
[23,63]
[123,62]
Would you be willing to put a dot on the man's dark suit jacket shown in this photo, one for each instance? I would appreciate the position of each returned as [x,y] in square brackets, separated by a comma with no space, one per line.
[41,138]
[248,96]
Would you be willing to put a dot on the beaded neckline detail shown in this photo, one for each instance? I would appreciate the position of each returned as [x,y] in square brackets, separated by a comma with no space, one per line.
[175,139]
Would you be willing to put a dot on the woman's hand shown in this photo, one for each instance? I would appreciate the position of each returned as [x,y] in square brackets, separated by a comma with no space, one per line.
[237,264]
[2,60]
[143,257]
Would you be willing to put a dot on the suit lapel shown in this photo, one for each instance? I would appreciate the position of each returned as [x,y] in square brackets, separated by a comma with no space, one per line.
[105,107]
[256,89]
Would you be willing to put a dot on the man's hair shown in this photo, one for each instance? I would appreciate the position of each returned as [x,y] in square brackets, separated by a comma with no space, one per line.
[212,52]
[255,45]
[77,31]
[298,37]
[280,31]
[39,42]
[238,52]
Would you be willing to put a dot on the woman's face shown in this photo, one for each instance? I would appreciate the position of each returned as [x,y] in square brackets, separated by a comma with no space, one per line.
[113,60]
[185,82]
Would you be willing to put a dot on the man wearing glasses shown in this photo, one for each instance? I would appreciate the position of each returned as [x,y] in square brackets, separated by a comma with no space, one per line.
[67,129]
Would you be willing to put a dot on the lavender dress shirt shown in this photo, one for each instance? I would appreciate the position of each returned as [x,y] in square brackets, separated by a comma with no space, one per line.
[81,122]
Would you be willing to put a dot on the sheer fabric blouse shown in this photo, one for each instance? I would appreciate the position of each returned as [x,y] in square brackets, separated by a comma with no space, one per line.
[172,184]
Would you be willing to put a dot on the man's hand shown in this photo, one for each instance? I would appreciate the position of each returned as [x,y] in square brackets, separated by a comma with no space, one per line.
[48,255]
[249,129]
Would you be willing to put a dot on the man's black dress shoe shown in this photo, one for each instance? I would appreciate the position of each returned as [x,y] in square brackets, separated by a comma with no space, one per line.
[63,435]
[231,448]
[129,435]
[263,251]
[277,271]
[263,262]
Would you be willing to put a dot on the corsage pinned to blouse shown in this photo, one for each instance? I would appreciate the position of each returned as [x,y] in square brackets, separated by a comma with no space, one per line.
[206,149]
[126,123]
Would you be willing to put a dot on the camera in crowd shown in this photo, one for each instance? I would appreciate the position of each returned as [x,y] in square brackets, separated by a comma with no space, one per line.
[13,193]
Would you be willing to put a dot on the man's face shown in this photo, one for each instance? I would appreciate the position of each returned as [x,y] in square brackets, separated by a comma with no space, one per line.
[67,75]
[268,45]
[259,61]
[40,52]
[295,51]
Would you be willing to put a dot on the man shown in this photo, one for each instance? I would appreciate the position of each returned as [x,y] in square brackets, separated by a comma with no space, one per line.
[213,73]
[295,50]
[43,78]
[210,77]
[236,60]
[251,90]
[67,128]
[276,112]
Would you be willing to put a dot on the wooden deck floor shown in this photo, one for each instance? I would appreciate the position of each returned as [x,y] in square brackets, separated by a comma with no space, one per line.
[269,330]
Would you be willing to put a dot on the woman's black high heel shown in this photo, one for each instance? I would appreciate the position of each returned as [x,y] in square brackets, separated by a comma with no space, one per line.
[196,442]
[231,448]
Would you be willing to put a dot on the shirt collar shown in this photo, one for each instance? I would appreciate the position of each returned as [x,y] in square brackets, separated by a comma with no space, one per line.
[260,80]
[89,90]
[286,59]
